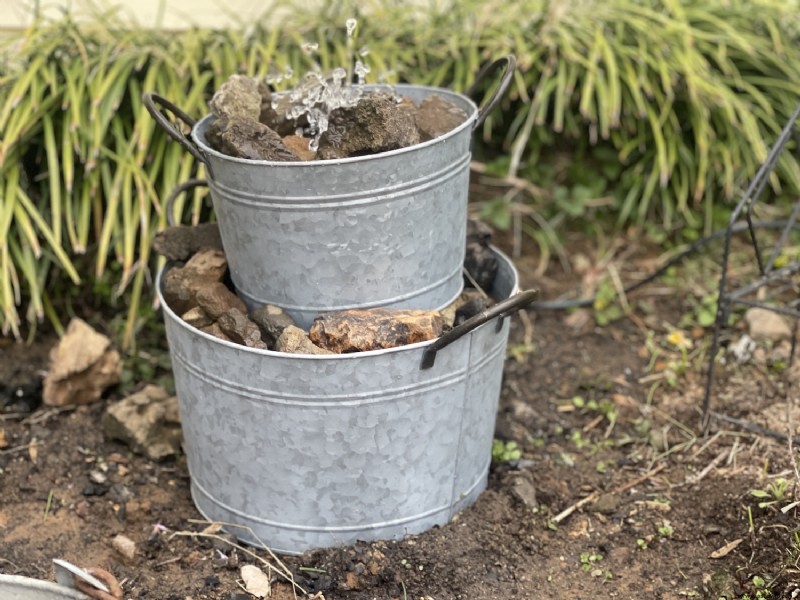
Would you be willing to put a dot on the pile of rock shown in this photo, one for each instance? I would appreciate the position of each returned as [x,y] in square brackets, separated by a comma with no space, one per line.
[247,125]
[201,293]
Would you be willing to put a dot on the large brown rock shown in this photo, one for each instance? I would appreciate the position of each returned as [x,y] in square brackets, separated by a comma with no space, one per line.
[374,329]
[437,116]
[182,284]
[378,123]
[148,421]
[240,329]
[180,242]
[295,341]
[216,299]
[243,138]
[298,145]
[82,366]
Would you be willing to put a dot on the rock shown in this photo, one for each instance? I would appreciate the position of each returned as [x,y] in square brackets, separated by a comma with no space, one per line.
[437,116]
[743,349]
[215,299]
[82,366]
[523,490]
[479,261]
[272,321]
[298,145]
[606,504]
[238,98]
[275,120]
[252,140]
[125,546]
[182,241]
[240,329]
[214,330]
[197,318]
[182,284]
[470,302]
[764,324]
[378,123]
[360,330]
[147,421]
[295,341]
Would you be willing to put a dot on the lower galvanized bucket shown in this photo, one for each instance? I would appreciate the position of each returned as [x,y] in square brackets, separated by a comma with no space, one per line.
[318,451]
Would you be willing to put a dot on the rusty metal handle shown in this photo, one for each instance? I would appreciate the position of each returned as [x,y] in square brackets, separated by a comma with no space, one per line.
[501,310]
[179,189]
[510,62]
[154,105]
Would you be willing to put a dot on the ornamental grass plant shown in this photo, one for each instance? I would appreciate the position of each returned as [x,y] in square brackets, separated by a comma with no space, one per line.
[683,97]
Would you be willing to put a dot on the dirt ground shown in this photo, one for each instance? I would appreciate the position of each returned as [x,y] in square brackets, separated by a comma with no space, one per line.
[616,494]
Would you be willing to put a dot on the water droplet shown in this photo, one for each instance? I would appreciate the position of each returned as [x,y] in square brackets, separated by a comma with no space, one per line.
[309,47]
[299,132]
[361,71]
[363,51]
[351,26]
[289,72]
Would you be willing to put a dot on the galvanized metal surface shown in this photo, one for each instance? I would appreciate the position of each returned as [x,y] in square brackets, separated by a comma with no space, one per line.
[317,451]
[14,587]
[316,236]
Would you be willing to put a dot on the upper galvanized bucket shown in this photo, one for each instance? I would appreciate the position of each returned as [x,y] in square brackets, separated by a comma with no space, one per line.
[312,451]
[318,236]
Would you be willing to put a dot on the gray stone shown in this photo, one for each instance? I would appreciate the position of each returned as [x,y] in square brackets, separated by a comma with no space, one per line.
[197,317]
[523,489]
[378,123]
[360,330]
[437,116]
[295,341]
[215,331]
[242,138]
[82,366]
[764,324]
[216,299]
[240,329]
[239,97]
[180,242]
[272,321]
[147,421]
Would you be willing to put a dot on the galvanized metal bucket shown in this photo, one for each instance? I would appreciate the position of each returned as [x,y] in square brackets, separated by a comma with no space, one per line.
[317,451]
[316,236]
[16,587]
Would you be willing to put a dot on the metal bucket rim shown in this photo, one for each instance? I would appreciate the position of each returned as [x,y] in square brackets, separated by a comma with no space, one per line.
[30,584]
[208,150]
[322,357]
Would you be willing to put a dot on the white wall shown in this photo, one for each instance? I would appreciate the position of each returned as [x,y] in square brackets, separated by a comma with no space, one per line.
[169,14]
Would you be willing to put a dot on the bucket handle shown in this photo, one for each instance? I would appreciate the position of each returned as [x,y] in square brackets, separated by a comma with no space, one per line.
[510,62]
[177,191]
[154,105]
[501,309]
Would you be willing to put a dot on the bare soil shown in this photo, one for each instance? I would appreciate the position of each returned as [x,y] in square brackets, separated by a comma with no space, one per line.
[619,495]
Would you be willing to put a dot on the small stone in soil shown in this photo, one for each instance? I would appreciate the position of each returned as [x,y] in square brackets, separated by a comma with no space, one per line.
[180,242]
[239,97]
[437,116]
[378,123]
[82,366]
[295,341]
[374,329]
[272,321]
[247,139]
[240,329]
[147,421]
[125,546]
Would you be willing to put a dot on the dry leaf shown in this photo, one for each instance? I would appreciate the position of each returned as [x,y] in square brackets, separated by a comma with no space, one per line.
[212,529]
[726,549]
[255,581]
